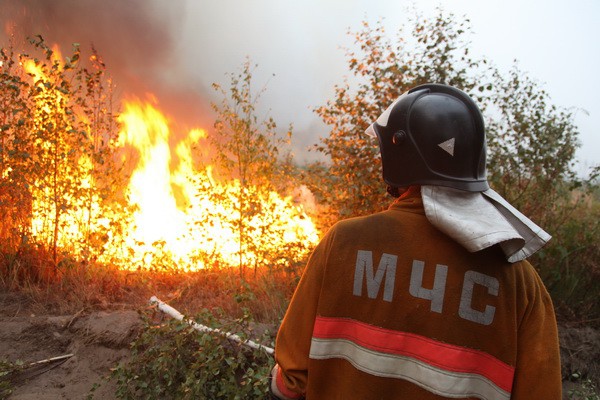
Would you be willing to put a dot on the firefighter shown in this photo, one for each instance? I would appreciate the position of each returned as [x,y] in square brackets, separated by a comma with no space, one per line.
[432,298]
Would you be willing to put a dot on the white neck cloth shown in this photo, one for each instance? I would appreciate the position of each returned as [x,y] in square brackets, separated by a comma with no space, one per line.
[478,220]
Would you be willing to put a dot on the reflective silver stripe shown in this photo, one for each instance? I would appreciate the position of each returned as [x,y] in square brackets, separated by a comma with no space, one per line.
[436,380]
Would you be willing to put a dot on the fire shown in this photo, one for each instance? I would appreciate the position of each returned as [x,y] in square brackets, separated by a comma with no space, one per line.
[190,213]
[185,209]
[158,217]
[178,213]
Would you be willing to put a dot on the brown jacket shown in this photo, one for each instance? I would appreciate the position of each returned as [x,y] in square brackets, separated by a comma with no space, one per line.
[391,308]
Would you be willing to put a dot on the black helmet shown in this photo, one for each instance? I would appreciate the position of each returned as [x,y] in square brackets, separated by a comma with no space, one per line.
[433,135]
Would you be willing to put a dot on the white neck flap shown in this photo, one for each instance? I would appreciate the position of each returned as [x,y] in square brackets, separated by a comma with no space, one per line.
[478,220]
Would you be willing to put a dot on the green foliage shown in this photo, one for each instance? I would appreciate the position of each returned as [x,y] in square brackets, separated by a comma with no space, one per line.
[174,361]
[531,163]
[247,148]
[249,151]
[382,70]
[7,369]
[57,166]
[532,147]
[587,390]
[569,265]
[16,147]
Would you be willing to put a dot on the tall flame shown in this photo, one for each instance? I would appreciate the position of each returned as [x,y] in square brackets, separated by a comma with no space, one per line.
[158,217]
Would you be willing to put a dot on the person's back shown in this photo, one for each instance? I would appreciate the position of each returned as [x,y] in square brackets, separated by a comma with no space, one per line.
[399,299]
[391,307]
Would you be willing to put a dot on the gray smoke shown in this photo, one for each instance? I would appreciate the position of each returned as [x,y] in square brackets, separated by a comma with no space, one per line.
[137,40]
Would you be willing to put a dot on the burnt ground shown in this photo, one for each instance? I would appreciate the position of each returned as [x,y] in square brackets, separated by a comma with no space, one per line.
[99,340]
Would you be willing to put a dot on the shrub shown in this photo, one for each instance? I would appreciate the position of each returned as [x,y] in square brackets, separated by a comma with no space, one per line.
[174,361]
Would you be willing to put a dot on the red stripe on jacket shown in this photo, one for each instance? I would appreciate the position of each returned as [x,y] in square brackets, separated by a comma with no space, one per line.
[441,355]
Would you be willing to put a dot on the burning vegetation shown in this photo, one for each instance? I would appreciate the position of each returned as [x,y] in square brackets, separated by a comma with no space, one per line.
[86,179]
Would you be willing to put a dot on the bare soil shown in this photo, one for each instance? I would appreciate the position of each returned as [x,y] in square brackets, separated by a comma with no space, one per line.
[99,340]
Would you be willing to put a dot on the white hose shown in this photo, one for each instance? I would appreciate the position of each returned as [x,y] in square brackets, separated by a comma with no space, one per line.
[167,309]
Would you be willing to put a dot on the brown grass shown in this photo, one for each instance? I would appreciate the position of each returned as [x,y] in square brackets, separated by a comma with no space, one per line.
[75,286]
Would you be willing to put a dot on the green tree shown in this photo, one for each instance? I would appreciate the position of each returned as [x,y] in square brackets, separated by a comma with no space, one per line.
[59,179]
[249,149]
[246,146]
[381,71]
[56,142]
[100,205]
[531,163]
[532,146]
[16,148]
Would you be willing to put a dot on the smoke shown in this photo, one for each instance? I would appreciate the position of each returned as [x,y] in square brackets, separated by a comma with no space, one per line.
[137,40]
[176,49]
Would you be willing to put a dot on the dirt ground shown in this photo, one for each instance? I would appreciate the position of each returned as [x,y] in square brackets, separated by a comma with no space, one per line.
[99,340]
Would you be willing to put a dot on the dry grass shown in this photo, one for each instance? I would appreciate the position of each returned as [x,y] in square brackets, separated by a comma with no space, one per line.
[76,286]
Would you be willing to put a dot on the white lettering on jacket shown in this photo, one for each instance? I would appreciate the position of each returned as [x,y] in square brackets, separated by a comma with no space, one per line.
[465,310]
[364,271]
[387,267]
[435,295]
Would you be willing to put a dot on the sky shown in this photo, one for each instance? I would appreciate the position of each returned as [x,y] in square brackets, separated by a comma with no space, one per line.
[176,49]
